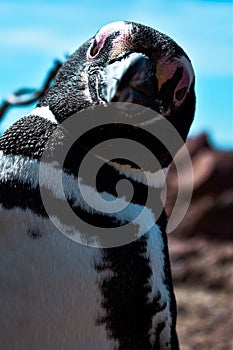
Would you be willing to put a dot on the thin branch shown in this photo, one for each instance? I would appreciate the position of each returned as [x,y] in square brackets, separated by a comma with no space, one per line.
[26,96]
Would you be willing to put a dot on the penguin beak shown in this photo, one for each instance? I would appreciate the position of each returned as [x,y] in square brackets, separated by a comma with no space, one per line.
[129,79]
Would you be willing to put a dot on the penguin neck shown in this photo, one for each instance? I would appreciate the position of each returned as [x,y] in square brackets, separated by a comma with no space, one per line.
[70,92]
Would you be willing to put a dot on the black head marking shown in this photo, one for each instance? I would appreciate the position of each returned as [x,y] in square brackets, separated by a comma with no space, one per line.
[80,82]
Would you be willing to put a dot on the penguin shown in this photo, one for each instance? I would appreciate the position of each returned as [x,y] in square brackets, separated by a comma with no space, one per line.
[55,292]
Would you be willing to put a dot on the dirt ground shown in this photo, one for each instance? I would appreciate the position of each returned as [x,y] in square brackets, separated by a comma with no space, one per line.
[203,279]
[201,247]
[205,318]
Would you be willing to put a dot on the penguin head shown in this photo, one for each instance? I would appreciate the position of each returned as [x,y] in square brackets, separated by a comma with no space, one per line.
[126,62]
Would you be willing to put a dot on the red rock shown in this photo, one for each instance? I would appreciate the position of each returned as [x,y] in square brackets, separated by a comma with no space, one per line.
[210,212]
[201,247]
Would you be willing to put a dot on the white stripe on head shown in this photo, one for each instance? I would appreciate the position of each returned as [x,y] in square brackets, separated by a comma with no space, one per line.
[86,197]
[43,112]
[147,178]
[26,171]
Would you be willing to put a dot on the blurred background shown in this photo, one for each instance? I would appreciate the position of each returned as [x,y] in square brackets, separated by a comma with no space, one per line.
[34,34]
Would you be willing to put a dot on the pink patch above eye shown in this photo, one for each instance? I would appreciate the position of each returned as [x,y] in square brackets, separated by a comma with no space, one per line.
[121,28]
[184,84]
[96,46]
[99,41]
[182,88]
[167,69]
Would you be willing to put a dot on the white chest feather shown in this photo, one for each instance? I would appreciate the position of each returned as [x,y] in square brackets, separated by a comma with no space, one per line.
[49,288]
[50,296]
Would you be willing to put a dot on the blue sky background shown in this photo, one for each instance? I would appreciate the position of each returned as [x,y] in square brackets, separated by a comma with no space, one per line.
[33,34]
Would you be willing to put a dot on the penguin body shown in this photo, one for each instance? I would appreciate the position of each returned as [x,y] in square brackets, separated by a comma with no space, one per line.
[56,292]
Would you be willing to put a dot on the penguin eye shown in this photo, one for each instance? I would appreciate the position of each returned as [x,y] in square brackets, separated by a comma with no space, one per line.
[94,49]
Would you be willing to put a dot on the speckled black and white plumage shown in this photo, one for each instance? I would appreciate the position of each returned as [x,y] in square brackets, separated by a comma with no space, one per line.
[54,292]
